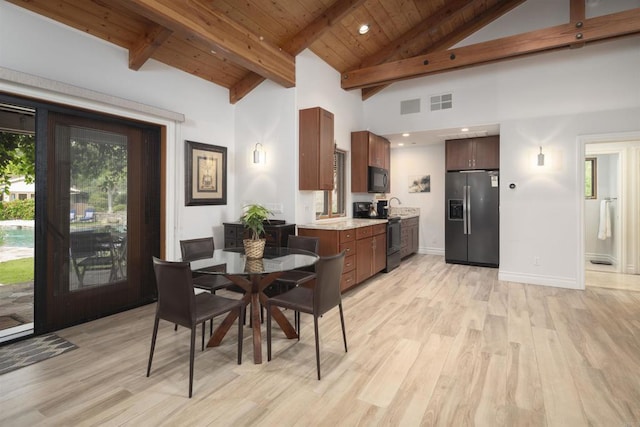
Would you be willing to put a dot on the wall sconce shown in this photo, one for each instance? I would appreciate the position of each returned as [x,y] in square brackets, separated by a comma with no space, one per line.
[259,155]
[540,158]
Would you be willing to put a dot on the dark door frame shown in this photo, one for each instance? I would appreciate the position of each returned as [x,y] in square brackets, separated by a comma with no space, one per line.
[43,107]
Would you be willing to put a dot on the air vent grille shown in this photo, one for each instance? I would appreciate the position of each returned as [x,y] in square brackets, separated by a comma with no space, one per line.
[410,106]
[441,102]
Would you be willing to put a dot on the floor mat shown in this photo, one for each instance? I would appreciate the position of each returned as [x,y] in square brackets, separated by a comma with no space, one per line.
[24,353]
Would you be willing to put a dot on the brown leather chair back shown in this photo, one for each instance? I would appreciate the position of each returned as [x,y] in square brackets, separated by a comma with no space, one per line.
[311,244]
[176,299]
[327,288]
[197,248]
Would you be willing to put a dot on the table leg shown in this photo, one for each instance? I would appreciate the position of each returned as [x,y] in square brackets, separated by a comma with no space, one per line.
[226,324]
[253,294]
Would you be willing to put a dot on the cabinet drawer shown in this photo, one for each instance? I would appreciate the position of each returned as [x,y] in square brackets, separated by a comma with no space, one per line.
[347,235]
[349,264]
[231,243]
[231,232]
[348,280]
[379,229]
[349,247]
[363,232]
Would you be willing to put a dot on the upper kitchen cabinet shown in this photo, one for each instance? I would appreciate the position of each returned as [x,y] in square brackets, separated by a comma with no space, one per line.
[473,153]
[316,149]
[367,149]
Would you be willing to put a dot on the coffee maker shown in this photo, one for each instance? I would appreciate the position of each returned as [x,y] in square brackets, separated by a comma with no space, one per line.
[383,209]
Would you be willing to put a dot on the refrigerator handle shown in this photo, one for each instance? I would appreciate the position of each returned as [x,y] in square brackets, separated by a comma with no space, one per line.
[468,197]
[464,209]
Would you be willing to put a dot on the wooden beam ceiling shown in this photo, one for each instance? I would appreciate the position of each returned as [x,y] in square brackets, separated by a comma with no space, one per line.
[440,18]
[593,29]
[147,45]
[226,37]
[298,43]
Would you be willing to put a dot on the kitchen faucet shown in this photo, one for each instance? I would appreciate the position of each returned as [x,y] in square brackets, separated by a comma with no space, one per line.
[399,202]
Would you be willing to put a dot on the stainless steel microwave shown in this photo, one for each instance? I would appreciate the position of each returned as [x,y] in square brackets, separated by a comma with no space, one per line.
[378,181]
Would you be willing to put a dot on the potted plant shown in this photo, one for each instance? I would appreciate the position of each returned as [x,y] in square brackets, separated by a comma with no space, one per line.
[253,218]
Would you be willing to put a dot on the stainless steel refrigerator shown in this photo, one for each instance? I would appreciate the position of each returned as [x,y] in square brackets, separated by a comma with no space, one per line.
[472,219]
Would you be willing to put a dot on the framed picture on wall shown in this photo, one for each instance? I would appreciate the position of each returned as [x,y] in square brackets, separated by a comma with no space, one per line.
[205,174]
[420,184]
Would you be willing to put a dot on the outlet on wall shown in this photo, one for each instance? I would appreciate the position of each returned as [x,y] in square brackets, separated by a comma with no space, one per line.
[536,261]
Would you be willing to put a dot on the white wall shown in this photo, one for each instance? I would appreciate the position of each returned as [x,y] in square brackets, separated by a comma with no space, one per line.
[545,100]
[419,161]
[267,116]
[54,51]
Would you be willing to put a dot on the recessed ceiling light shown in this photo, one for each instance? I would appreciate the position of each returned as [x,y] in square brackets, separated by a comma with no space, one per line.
[465,129]
[364,29]
[406,134]
[400,144]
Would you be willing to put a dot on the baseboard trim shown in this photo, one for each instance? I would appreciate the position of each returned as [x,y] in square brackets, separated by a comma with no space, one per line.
[535,279]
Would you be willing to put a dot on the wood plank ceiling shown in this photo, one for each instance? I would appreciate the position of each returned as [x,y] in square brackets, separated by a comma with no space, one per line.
[238,44]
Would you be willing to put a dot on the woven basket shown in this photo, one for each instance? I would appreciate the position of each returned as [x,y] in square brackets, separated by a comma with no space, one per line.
[254,249]
[254,265]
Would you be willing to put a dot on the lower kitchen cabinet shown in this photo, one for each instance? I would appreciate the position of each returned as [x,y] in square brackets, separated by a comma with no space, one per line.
[371,251]
[365,249]
[276,232]
[409,236]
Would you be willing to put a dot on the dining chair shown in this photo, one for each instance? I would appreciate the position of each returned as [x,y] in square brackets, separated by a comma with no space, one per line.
[291,279]
[317,300]
[178,303]
[195,249]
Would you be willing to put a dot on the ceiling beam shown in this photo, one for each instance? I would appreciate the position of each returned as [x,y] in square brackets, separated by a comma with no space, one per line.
[147,45]
[598,28]
[227,38]
[299,42]
[449,40]
[577,13]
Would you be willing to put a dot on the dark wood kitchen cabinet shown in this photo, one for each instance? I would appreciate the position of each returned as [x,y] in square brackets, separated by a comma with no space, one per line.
[473,153]
[276,233]
[371,251]
[365,250]
[409,236]
[367,149]
[316,143]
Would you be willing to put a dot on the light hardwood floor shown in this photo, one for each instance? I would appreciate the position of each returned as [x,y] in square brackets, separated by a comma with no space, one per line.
[429,344]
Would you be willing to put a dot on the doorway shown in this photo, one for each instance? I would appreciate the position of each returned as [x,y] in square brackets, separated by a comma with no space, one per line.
[97,214]
[610,208]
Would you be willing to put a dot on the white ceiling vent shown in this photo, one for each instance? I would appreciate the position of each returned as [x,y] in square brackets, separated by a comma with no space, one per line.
[464,135]
[410,106]
[441,102]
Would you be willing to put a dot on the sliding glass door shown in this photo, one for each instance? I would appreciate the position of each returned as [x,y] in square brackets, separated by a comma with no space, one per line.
[102,213]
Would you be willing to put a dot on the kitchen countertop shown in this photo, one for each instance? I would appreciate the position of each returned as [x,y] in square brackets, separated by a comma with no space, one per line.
[404,212]
[342,224]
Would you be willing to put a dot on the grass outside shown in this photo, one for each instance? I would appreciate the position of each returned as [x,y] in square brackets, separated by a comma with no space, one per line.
[16,271]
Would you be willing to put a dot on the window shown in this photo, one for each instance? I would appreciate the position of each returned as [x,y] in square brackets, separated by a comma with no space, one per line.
[330,204]
[591,178]
[441,102]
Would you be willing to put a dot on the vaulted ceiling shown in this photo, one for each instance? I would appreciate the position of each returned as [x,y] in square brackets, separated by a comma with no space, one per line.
[238,44]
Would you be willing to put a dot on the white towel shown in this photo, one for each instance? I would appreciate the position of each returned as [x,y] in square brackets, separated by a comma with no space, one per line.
[604,230]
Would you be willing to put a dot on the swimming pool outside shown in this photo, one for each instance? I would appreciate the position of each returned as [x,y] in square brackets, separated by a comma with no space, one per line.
[16,239]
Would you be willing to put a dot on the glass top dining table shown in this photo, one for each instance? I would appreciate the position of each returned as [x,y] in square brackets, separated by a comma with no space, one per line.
[254,276]
[234,261]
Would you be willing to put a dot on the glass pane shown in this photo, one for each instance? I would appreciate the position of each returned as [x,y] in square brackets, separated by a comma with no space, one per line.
[97,207]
